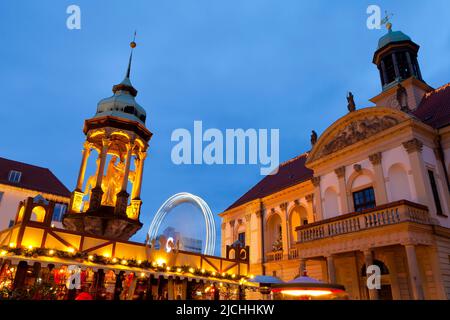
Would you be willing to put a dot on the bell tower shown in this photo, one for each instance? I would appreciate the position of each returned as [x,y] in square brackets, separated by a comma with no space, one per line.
[401,79]
[101,204]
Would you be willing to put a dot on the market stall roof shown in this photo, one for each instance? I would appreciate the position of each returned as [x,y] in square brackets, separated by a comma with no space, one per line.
[304,279]
[266,280]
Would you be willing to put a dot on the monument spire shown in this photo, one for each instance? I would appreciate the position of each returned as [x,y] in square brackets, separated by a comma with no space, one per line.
[132,46]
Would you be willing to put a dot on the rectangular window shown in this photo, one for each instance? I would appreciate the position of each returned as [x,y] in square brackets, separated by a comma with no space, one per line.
[437,200]
[364,199]
[1,196]
[59,211]
[14,176]
[241,238]
[11,223]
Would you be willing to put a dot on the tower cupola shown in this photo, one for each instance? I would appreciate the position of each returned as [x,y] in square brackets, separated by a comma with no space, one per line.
[396,58]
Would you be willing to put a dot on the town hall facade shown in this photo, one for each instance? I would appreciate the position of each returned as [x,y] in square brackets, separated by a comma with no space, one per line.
[373,190]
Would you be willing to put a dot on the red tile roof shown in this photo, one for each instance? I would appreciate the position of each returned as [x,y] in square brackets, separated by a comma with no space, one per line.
[434,109]
[290,173]
[32,178]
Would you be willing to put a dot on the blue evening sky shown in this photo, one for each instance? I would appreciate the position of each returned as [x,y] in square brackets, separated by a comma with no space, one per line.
[232,64]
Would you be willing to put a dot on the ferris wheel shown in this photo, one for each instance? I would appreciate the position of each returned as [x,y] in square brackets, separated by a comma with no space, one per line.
[185,197]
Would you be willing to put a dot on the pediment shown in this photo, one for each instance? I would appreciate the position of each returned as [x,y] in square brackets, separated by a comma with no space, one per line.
[355,127]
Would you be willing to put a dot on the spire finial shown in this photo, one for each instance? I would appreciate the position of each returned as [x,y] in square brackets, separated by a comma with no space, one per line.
[386,21]
[132,46]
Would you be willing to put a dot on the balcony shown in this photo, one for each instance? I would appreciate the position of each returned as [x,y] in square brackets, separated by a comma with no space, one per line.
[274,256]
[389,214]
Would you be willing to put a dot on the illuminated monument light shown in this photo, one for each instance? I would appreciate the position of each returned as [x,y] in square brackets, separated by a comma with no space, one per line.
[184,197]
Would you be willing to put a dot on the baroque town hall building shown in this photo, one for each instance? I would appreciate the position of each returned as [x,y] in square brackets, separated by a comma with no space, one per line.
[374,190]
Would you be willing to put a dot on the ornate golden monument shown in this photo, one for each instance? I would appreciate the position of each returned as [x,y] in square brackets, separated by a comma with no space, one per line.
[118,134]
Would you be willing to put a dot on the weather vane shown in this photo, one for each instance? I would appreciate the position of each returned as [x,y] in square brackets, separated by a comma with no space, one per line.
[386,20]
[133,43]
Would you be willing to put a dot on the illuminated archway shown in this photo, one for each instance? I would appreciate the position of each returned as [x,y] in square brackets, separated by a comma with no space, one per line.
[177,199]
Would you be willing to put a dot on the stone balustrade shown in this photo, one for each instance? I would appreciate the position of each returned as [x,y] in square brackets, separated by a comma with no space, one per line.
[274,256]
[392,213]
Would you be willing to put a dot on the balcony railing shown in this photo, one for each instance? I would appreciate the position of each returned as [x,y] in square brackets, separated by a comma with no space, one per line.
[392,213]
[293,253]
[274,256]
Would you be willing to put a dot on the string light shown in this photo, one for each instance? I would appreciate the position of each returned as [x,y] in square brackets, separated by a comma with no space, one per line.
[158,263]
[12,245]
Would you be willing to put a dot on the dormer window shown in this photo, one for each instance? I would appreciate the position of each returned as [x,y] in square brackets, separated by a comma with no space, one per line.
[14,176]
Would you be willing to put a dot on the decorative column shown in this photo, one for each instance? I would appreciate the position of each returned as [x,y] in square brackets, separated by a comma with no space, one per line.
[414,273]
[224,241]
[136,193]
[318,199]
[134,210]
[231,231]
[86,152]
[284,230]
[331,270]
[380,185]
[97,192]
[260,236]
[248,220]
[309,200]
[340,173]
[77,195]
[122,196]
[410,65]
[368,259]
[420,177]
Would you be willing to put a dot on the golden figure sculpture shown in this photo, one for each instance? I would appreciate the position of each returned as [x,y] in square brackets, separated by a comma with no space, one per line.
[111,182]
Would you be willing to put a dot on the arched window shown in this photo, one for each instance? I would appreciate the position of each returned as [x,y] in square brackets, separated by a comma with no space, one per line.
[298,217]
[398,183]
[38,214]
[273,233]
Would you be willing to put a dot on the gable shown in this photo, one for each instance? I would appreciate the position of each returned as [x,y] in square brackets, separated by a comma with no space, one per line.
[355,127]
